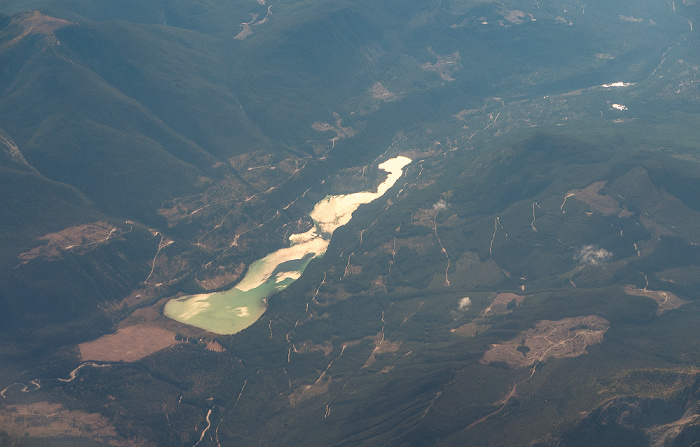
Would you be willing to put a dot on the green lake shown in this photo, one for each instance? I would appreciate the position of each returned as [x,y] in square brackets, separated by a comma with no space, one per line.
[233,310]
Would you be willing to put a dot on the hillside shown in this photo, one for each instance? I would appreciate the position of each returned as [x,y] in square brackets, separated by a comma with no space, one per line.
[531,278]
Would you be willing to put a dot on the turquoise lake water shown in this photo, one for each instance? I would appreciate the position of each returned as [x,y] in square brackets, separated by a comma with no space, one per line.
[233,310]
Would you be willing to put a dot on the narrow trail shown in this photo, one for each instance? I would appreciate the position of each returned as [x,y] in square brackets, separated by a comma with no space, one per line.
[663,56]
[109,236]
[432,404]
[264,19]
[673,4]
[493,238]
[571,194]
[401,190]
[405,320]
[513,391]
[296,323]
[296,170]
[2,393]
[216,227]
[318,289]
[492,122]
[74,373]
[340,392]
[393,257]
[295,200]
[288,378]
[571,278]
[444,251]
[663,59]
[532,224]
[161,246]
[347,266]
[248,199]
[206,429]
[236,237]
[323,374]
[36,383]
[234,243]
[393,143]
[381,341]
[488,309]
[496,224]
[253,168]
[240,394]
[687,239]
[436,398]
[199,209]
[216,432]
[25,387]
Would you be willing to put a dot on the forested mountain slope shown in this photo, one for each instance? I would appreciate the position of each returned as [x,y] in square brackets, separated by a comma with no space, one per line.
[531,279]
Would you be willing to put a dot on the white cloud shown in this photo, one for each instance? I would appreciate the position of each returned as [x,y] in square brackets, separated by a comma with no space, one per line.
[465,303]
[440,205]
[592,255]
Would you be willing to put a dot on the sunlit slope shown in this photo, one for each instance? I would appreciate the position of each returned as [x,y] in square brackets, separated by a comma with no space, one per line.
[393,352]
[173,95]
[541,245]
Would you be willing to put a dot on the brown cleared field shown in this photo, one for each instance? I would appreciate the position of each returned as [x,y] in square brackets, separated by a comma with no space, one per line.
[500,303]
[590,195]
[129,344]
[308,346]
[222,277]
[47,420]
[380,92]
[470,329]
[564,338]
[666,300]
[383,347]
[687,275]
[81,237]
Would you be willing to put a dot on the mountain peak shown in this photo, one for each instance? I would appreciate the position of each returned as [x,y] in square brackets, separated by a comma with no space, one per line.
[35,23]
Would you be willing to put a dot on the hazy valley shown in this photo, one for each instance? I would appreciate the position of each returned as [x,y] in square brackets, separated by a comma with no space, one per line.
[530,277]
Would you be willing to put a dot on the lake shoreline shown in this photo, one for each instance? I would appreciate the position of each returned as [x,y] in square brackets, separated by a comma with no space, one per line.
[230,311]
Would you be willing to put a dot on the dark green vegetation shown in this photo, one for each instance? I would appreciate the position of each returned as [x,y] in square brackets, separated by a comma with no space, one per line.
[155,147]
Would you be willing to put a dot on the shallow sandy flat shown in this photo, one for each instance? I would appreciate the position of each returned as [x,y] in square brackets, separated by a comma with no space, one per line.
[128,344]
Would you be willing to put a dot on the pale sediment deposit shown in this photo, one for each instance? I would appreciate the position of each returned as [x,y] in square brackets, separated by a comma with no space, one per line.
[231,311]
